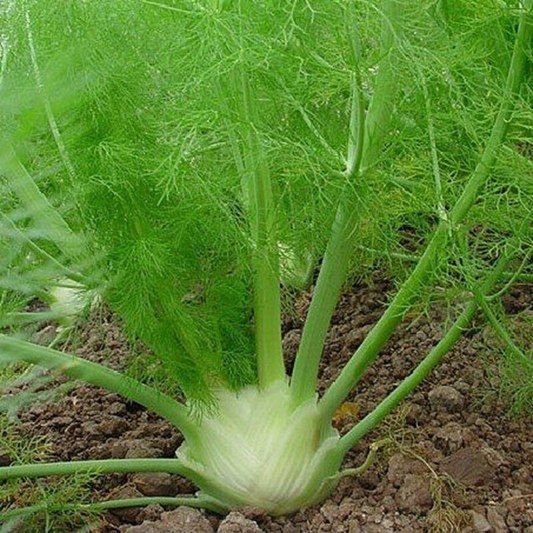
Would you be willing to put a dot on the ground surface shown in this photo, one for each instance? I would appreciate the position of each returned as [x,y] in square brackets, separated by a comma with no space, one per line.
[458,463]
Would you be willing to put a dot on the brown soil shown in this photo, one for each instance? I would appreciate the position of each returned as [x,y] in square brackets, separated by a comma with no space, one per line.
[457,462]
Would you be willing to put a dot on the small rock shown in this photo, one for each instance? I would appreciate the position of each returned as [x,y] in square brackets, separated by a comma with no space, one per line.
[63,420]
[291,341]
[155,483]
[470,467]
[496,520]
[138,449]
[445,398]
[453,436]
[181,520]
[117,408]
[253,513]
[5,458]
[237,523]
[515,502]
[414,495]
[112,426]
[421,335]
[151,513]
[185,520]
[128,514]
[145,527]
[118,449]
[101,451]
[400,466]
[479,522]
[44,336]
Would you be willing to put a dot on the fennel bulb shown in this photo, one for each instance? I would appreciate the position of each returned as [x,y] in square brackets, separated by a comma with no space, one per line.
[257,450]
[69,301]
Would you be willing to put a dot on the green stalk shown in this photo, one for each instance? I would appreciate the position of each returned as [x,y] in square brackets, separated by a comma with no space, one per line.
[333,271]
[23,318]
[434,154]
[15,350]
[394,314]
[423,369]
[48,106]
[258,193]
[198,501]
[502,332]
[105,466]
[43,254]
[366,136]
[4,50]
[44,214]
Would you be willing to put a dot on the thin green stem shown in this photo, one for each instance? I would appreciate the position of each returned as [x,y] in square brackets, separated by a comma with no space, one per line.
[198,501]
[257,189]
[380,333]
[43,254]
[314,130]
[15,350]
[381,108]
[422,370]
[517,274]
[434,153]
[191,11]
[48,106]
[499,130]
[501,331]
[4,50]
[46,217]
[104,466]
[363,132]
[378,337]
[22,318]
[333,271]
[369,461]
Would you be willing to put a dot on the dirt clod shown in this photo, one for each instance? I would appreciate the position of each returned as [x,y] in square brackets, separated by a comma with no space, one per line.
[480,523]
[414,495]
[470,467]
[237,523]
[5,458]
[155,483]
[400,466]
[496,519]
[181,520]
[447,399]
[128,514]
[452,424]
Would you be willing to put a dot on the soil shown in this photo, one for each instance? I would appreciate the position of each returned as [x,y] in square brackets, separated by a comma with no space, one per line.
[455,460]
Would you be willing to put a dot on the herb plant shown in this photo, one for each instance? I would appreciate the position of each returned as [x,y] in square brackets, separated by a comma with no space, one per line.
[184,160]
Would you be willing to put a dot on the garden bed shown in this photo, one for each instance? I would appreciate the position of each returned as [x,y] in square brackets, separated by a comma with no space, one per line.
[455,458]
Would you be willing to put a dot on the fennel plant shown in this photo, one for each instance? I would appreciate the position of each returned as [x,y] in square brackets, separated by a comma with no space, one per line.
[198,154]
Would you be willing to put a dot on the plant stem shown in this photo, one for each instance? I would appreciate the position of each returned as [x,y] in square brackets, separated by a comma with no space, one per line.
[48,106]
[45,215]
[257,190]
[105,466]
[394,314]
[43,254]
[441,210]
[422,370]
[365,139]
[198,501]
[369,461]
[23,318]
[386,325]
[15,350]
[502,332]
